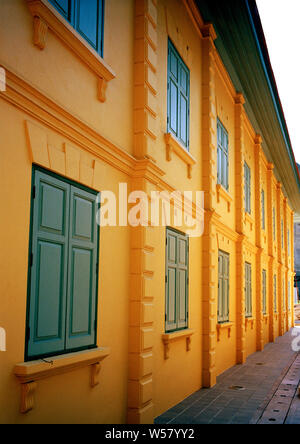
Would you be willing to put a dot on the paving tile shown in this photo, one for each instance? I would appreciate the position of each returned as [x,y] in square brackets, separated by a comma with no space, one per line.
[268,387]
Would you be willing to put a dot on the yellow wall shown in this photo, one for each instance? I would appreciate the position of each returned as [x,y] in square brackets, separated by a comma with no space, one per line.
[50,115]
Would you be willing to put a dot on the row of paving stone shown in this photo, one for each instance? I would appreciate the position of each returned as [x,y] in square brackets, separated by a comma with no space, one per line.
[249,393]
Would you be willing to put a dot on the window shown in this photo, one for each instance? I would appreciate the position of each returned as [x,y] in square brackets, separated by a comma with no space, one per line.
[263,217]
[222,155]
[177,280]
[274,224]
[223,288]
[248,290]
[247,188]
[178,97]
[63,268]
[86,17]
[264,291]
[275,294]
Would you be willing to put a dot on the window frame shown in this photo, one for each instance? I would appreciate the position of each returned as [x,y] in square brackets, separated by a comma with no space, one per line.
[222,156]
[73,20]
[27,356]
[170,77]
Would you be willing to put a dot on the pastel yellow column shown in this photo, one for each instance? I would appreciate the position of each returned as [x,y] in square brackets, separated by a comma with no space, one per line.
[210,254]
[145,79]
[141,322]
[141,312]
[240,228]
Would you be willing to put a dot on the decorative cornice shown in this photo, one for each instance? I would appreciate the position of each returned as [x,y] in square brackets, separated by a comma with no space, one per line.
[258,139]
[239,99]
[208,30]
[224,76]
[195,15]
[45,17]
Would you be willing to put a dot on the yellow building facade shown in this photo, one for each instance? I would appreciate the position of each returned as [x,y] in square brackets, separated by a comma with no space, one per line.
[98,122]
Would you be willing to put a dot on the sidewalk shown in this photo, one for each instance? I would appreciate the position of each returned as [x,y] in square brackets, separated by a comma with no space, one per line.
[262,391]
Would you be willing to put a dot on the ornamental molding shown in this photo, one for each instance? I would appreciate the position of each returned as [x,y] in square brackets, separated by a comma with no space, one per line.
[173,146]
[29,373]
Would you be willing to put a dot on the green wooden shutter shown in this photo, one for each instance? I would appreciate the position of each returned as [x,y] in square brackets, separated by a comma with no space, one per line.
[171,309]
[220,289]
[64,7]
[184,92]
[48,284]
[83,266]
[182,282]
[275,294]
[89,21]
[223,288]
[176,281]
[223,165]
[219,165]
[226,287]
[264,291]
[248,290]
[178,96]
[246,173]
[263,210]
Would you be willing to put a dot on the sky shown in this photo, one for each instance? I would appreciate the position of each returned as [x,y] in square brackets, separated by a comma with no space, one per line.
[280,20]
